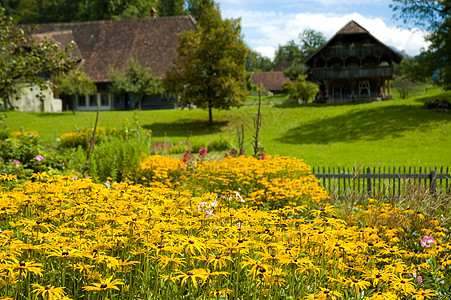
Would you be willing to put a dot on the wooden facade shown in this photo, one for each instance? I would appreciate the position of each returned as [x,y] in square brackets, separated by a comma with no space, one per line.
[352,66]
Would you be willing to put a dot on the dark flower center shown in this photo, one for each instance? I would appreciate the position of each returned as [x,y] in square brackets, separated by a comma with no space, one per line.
[103,286]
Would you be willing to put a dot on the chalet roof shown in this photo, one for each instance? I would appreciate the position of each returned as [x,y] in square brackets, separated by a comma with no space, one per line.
[103,43]
[272,81]
[353,28]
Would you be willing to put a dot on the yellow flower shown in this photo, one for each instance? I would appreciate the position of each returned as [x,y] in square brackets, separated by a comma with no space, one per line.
[48,292]
[201,274]
[104,285]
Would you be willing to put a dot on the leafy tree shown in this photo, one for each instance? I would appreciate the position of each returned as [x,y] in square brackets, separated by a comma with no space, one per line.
[24,60]
[193,8]
[434,16]
[255,62]
[75,83]
[136,79]
[51,11]
[297,68]
[171,8]
[404,85]
[311,40]
[209,71]
[288,52]
[301,89]
[46,11]
[416,69]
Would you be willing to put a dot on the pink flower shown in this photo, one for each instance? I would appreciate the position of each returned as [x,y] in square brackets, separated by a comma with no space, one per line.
[420,279]
[427,241]
[16,163]
[203,151]
[184,159]
[39,157]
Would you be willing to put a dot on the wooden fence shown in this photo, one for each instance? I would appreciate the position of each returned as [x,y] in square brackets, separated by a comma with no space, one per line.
[376,182]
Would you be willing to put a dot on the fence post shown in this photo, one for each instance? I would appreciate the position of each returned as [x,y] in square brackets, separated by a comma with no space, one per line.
[368,185]
[433,178]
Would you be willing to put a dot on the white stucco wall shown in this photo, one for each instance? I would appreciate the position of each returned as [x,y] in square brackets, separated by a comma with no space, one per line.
[31,98]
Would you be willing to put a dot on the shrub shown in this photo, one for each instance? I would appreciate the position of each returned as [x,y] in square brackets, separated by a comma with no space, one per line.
[82,137]
[179,148]
[3,127]
[301,89]
[118,159]
[196,146]
[217,144]
[25,154]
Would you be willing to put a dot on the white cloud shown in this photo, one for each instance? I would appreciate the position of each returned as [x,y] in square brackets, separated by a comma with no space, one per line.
[265,31]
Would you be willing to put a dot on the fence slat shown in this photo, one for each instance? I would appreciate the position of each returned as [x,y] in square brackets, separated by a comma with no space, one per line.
[375,182]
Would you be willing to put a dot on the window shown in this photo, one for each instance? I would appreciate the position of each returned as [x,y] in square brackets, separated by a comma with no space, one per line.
[81,101]
[92,100]
[105,100]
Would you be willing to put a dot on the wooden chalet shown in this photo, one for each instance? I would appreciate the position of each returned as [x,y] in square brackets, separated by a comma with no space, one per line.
[101,44]
[352,66]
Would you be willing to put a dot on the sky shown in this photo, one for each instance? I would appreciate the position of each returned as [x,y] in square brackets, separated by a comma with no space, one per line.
[267,24]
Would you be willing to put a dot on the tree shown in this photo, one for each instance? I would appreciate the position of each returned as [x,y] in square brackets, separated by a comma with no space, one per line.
[435,16]
[136,79]
[297,68]
[311,41]
[301,89]
[209,71]
[288,52]
[255,62]
[404,85]
[193,8]
[171,8]
[46,11]
[74,83]
[24,60]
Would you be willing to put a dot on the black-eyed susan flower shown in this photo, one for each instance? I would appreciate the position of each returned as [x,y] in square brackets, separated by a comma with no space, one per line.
[48,292]
[104,285]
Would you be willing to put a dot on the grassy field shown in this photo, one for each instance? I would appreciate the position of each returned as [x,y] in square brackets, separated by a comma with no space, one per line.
[389,133]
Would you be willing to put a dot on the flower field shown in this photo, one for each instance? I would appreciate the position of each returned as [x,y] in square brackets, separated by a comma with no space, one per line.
[238,228]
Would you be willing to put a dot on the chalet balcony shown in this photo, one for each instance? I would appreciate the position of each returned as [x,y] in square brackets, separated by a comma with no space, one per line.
[353,72]
[363,51]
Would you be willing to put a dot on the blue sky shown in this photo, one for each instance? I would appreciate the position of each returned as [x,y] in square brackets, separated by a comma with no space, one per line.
[267,24]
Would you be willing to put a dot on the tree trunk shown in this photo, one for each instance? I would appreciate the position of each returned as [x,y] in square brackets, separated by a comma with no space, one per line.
[92,143]
[210,115]
[140,101]
[74,102]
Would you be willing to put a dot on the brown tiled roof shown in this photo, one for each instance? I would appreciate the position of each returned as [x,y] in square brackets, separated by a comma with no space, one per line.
[103,43]
[283,66]
[63,38]
[272,81]
[352,28]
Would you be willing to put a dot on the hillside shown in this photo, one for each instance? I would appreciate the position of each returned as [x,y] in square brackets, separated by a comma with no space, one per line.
[390,133]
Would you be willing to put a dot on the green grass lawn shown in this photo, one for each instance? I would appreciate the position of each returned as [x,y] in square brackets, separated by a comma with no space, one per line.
[388,133]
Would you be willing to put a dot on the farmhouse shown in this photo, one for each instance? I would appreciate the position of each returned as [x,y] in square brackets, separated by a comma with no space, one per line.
[101,44]
[270,81]
[352,66]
